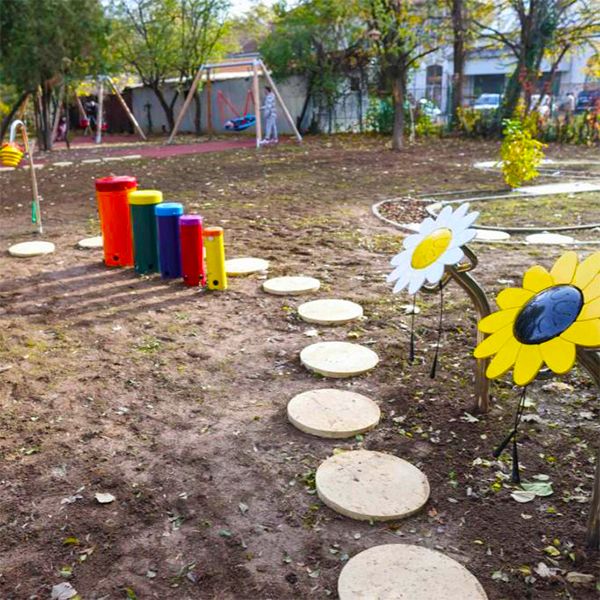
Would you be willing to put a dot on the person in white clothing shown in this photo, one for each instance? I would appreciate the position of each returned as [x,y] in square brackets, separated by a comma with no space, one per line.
[270,111]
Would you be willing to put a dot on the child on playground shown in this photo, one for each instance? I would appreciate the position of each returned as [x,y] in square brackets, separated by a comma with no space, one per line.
[270,109]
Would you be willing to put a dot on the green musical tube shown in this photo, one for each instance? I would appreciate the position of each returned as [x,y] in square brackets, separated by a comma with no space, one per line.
[145,236]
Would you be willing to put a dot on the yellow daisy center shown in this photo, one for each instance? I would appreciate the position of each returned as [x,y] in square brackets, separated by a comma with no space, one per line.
[548,314]
[431,247]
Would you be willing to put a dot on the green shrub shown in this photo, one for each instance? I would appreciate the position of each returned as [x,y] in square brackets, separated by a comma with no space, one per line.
[521,153]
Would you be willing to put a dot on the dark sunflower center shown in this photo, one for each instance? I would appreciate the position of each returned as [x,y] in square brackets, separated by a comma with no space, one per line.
[548,314]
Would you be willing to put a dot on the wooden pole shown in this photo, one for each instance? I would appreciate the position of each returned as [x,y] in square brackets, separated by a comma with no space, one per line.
[186,105]
[209,118]
[286,112]
[256,92]
[59,106]
[126,108]
[99,111]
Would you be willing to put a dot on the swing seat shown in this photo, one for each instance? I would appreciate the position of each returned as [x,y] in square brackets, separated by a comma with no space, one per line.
[83,123]
[104,127]
[240,123]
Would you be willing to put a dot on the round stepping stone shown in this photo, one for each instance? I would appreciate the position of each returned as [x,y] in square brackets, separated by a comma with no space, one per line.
[549,238]
[367,485]
[333,413]
[330,311]
[291,286]
[491,235]
[35,248]
[245,266]
[338,359]
[89,243]
[406,572]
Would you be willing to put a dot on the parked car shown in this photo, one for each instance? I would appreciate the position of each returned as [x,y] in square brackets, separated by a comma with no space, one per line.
[586,100]
[488,102]
[427,107]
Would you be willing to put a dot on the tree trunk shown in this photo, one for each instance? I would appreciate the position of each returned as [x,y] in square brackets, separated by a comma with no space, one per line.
[167,108]
[458,58]
[11,115]
[398,92]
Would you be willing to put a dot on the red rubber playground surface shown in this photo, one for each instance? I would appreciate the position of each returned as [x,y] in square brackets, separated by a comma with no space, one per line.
[84,147]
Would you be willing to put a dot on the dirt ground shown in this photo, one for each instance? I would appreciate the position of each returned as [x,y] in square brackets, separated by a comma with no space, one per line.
[173,400]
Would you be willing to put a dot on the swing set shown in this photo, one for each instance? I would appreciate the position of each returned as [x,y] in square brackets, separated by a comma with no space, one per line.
[233,119]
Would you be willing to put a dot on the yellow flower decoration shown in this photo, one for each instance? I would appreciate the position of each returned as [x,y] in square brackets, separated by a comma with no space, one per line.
[545,320]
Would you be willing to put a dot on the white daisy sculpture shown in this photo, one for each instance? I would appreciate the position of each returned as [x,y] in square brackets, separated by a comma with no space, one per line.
[427,253]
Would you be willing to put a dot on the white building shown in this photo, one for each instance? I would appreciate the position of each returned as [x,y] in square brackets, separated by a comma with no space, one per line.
[487,71]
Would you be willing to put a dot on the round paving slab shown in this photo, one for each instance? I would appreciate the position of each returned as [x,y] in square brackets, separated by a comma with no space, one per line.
[491,235]
[406,572]
[35,248]
[90,243]
[245,266]
[331,413]
[338,359]
[291,286]
[546,238]
[330,311]
[367,485]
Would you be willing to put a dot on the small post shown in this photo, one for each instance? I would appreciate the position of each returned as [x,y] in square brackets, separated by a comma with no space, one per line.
[99,109]
[590,361]
[256,94]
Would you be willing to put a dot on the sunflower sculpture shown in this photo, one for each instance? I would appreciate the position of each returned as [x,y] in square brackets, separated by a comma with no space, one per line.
[426,255]
[540,323]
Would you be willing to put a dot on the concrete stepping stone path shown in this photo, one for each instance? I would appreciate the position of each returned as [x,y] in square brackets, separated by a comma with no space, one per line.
[34,248]
[546,238]
[91,243]
[245,266]
[491,235]
[330,311]
[406,572]
[291,285]
[338,359]
[367,485]
[331,413]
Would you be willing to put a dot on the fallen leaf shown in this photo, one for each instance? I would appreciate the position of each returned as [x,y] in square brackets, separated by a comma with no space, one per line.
[63,591]
[581,578]
[104,498]
[522,496]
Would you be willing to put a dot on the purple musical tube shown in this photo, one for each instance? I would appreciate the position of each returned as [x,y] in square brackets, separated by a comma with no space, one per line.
[169,252]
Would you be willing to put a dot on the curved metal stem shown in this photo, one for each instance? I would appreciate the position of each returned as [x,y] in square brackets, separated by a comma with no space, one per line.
[34,187]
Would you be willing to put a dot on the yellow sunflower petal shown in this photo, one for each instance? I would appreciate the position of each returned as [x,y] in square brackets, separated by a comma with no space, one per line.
[537,279]
[583,333]
[559,355]
[592,290]
[497,320]
[504,360]
[564,268]
[591,310]
[587,270]
[528,364]
[513,297]
[493,343]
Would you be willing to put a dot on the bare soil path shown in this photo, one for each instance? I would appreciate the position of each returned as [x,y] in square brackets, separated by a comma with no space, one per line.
[173,400]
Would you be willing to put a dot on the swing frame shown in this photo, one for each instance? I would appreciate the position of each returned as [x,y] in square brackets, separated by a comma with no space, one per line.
[102,79]
[254,67]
